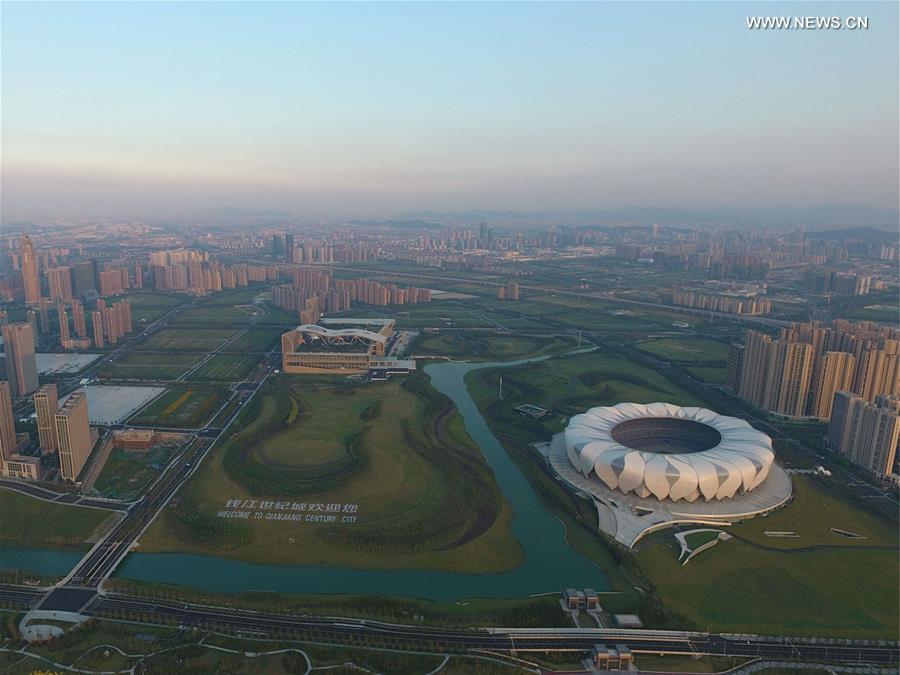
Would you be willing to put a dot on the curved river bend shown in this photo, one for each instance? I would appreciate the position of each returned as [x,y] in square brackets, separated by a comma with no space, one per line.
[550,563]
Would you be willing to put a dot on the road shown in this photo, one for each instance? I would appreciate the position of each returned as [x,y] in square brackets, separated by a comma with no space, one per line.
[61,497]
[351,630]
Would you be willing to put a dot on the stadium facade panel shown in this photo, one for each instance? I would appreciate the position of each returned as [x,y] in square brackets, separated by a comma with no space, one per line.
[667,451]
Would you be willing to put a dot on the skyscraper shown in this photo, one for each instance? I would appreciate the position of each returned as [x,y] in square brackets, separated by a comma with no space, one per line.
[46,405]
[74,434]
[21,365]
[30,279]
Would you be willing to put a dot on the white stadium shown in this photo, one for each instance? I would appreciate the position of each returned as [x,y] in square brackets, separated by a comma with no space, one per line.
[666,451]
[650,466]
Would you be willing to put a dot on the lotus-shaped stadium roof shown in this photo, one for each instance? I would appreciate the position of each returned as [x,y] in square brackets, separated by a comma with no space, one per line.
[716,457]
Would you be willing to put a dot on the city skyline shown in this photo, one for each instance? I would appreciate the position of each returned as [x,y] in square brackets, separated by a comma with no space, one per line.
[370,110]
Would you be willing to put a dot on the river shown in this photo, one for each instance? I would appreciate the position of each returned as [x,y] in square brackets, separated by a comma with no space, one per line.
[550,564]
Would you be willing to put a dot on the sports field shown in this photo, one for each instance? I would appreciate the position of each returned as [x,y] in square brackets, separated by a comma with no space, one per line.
[150,366]
[422,495]
[226,368]
[182,407]
[187,339]
[48,524]
[150,305]
[215,315]
[255,340]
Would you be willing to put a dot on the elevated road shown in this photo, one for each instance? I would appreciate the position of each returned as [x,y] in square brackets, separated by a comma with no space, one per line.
[883,653]
[503,639]
[597,295]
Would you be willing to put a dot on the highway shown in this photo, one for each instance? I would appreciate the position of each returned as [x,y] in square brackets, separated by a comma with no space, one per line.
[344,630]
[595,295]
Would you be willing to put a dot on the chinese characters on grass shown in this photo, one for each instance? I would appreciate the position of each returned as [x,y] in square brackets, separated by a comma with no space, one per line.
[253,509]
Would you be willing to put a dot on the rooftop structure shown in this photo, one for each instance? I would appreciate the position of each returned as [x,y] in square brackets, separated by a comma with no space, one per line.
[344,348]
[648,467]
[669,452]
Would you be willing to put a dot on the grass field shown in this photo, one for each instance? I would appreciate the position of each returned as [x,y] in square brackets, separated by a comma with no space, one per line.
[226,368]
[151,366]
[187,339]
[568,385]
[150,305]
[127,472]
[26,521]
[701,357]
[845,588]
[181,407]
[880,313]
[236,296]
[216,315]
[687,350]
[487,347]
[422,493]
[255,340]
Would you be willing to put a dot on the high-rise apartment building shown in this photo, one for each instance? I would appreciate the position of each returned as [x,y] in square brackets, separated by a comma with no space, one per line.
[74,433]
[834,374]
[797,373]
[7,421]
[59,279]
[46,405]
[78,319]
[21,364]
[31,282]
[13,465]
[64,335]
[83,280]
[97,327]
[866,433]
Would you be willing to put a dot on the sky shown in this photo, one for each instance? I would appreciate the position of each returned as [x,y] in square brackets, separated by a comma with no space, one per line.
[369,109]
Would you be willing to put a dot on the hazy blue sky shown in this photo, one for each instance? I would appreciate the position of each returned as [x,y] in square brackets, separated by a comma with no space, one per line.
[345,109]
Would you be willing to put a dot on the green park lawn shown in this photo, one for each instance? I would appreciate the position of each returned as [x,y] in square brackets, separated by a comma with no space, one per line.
[421,487]
[27,521]
[226,368]
[181,407]
[128,472]
[487,347]
[843,588]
